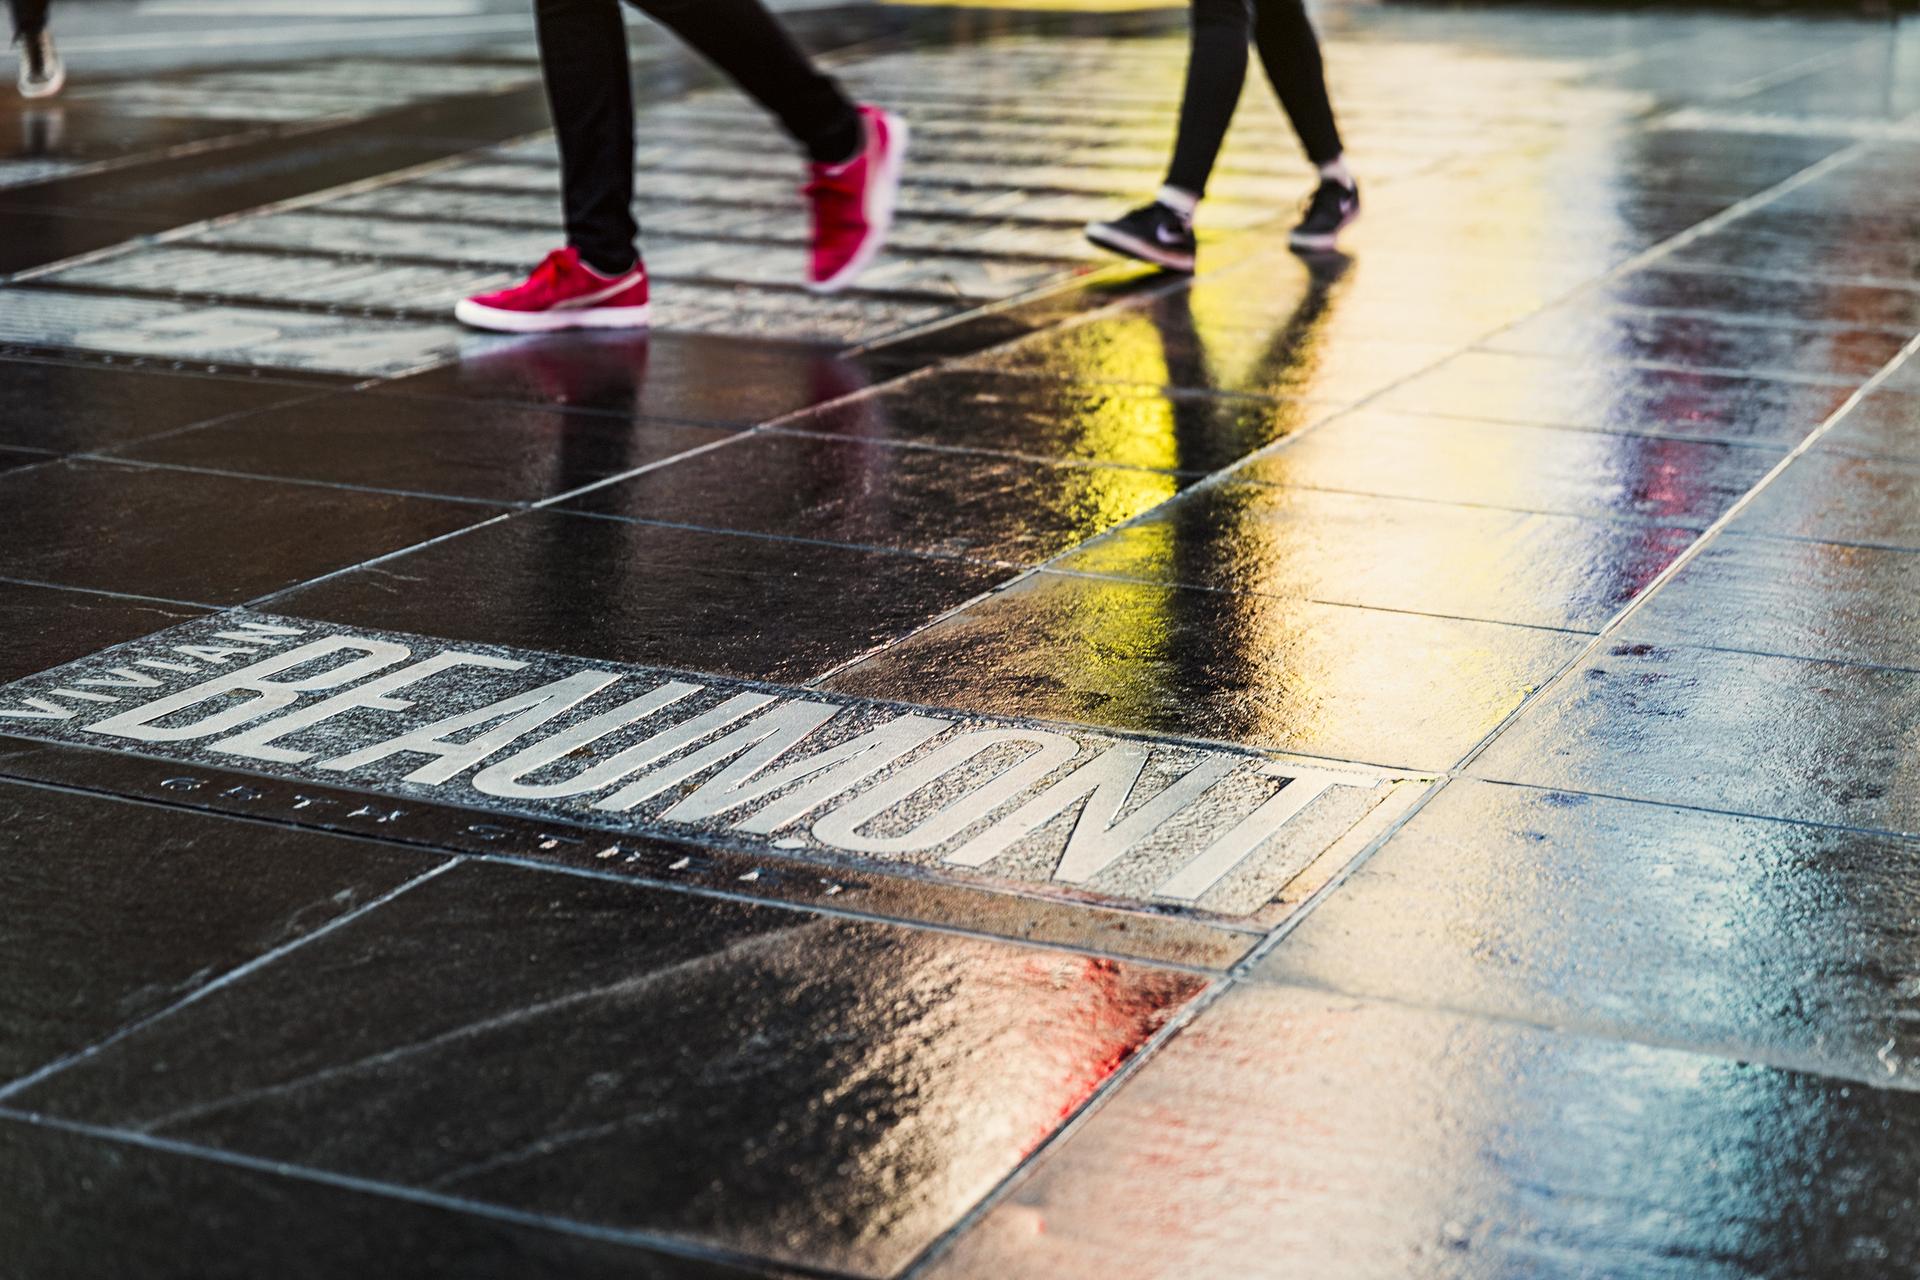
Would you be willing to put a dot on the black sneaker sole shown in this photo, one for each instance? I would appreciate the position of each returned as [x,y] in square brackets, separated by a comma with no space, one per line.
[1322,241]
[1110,237]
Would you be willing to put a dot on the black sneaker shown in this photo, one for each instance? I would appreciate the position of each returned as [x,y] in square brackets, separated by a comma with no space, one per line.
[1333,206]
[1152,233]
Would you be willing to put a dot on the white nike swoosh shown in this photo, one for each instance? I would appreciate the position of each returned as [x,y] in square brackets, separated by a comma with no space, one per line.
[586,300]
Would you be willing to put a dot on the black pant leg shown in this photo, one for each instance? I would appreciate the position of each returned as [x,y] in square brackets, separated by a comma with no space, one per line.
[583,55]
[29,16]
[757,53]
[1291,54]
[1216,71]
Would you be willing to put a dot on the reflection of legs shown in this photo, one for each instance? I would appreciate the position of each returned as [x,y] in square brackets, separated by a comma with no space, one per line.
[29,16]
[742,39]
[1216,70]
[1291,54]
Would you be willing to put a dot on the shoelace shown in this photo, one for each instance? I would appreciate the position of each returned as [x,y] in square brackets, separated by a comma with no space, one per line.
[548,272]
[835,198]
[1328,198]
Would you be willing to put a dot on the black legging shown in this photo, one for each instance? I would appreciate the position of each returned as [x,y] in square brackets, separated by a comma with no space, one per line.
[1217,69]
[583,53]
[29,16]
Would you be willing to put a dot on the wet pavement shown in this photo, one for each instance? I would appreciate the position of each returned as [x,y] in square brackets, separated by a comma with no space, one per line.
[1397,764]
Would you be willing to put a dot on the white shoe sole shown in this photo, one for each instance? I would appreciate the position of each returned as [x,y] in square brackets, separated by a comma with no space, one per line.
[1134,247]
[883,197]
[469,312]
[1322,243]
[34,93]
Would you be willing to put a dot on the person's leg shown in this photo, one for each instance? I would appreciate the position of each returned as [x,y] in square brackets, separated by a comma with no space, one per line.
[29,16]
[1290,52]
[1216,71]
[747,43]
[583,54]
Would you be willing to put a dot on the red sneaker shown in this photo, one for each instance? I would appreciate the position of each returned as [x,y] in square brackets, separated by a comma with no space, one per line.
[562,293]
[853,203]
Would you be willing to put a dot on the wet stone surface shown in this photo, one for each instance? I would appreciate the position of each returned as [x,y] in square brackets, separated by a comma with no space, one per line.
[1778,737]
[1581,393]
[909,499]
[1285,674]
[1156,667]
[165,917]
[194,536]
[1581,473]
[249,1220]
[1483,1148]
[892,1078]
[770,608]
[1757,939]
[455,448]
[1385,553]
[1798,598]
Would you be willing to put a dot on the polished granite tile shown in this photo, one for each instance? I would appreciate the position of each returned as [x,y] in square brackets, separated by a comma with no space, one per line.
[1386,553]
[73,1204]
[680,377]
[1784,298]
[774,1082]
[1797,598]
[172,902]
[1596,396]
[1776,737]
[1593,333]
[75,407]
[1313,1134]
[853,492]
[1884,424]
[186,535]
[1751,938]
[597,588]
[1393,689]
[1836,497]
[1525,468]
[460,448]
[43,627]
[1046,417]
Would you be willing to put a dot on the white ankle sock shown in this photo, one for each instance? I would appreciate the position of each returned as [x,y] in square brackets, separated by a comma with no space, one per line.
[1337,170]
[1180,200]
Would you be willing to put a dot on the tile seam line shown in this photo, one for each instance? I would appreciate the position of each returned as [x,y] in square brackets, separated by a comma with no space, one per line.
[665,1245]
[1814,824]
[305,482]
[224,980]
[797,906]
[1731,1051]
[117,595]
[1095,1101]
